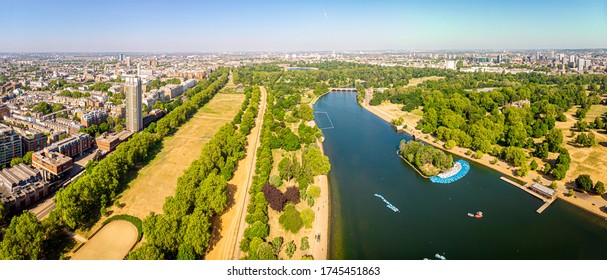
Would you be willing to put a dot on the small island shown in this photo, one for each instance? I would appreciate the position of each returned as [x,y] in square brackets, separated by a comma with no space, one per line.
[433,163]
[428,160]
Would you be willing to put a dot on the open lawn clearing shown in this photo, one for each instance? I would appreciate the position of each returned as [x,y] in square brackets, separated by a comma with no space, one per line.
[158,179]
[112,242]
[416,81]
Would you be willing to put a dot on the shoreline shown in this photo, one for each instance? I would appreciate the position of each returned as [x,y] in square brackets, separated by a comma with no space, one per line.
[501,166]
[322,222]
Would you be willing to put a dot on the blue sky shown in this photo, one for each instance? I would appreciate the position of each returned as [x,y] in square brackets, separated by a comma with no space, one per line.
[202,26]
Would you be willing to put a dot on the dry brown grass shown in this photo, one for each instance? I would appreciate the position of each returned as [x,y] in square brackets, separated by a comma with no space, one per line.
[591,161]
[416,81]
[158,179]
[112,242]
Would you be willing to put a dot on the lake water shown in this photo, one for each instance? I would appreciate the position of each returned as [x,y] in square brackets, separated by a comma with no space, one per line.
[433,217]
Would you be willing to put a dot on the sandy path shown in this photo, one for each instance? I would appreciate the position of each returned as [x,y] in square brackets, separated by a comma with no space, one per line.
[233,220]
[112,242]
[321,220]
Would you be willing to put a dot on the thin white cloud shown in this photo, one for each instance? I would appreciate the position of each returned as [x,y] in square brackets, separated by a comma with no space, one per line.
[325,12]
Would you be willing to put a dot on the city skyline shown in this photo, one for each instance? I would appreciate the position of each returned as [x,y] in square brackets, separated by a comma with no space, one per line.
[184,26]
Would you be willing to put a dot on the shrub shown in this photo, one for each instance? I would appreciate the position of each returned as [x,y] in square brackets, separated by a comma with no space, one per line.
[291,248]
[305,245]
[307,258]
[570,192]
[277,243]
[291,219]
[553,185]
[479,154]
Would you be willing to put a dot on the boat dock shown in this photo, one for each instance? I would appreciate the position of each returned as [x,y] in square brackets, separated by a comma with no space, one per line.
[526,188]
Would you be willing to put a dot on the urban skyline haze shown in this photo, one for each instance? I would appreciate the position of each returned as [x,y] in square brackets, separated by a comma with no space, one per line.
[192,26]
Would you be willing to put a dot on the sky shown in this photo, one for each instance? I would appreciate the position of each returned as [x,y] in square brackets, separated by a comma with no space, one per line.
[234,26]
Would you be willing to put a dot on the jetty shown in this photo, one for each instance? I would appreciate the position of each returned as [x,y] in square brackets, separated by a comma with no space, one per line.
[527,188]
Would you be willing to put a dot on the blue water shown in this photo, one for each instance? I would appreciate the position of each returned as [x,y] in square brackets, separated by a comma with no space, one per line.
[433,217]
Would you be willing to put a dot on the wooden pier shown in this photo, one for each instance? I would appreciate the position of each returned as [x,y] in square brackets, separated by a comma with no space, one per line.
[525,188]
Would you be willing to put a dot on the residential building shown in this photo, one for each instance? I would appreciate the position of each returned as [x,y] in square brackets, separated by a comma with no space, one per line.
[134,121]
[10,145]
[72,146]
[52,165]
[21,186]
[108,142]
[33,141]
[93,117]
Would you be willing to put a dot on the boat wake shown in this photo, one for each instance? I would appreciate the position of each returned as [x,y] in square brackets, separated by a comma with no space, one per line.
[388,204]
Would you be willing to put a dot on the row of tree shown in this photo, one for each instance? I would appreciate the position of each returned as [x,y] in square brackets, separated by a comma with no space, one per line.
[80,203]
[183,231]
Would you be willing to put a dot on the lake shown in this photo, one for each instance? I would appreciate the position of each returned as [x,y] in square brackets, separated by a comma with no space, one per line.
[433,217]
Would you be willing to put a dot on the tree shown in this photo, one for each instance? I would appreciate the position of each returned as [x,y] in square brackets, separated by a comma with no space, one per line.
[314,161]
[276,180]
[186,252]
[291,219]
[23,239]
[599,188]
[258,229]
[553,185]
[533,165]
[554,138]
[291,248]
[564,159]
[265,251]
[313,191]
[450,144]
[547,168]
[305,112]
[118,127]
[584,182]
[146,251]
[277,243]
[541,150]
[287,168]
[523,171]
[515,155]
[292,195]
[274,197]
[307,216]
[570,192]
[3,212]
[586,140]
[559,172]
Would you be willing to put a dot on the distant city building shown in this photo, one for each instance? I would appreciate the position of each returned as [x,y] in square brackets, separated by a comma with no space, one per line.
[128,61]
[132,87]
[10,145]
[450,64]
[93,117]
[121,57]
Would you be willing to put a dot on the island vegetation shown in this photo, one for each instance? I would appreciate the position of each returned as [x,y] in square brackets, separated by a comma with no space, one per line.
[428,160]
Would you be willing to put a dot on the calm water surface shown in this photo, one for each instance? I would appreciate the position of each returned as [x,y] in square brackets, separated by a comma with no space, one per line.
[433,217]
